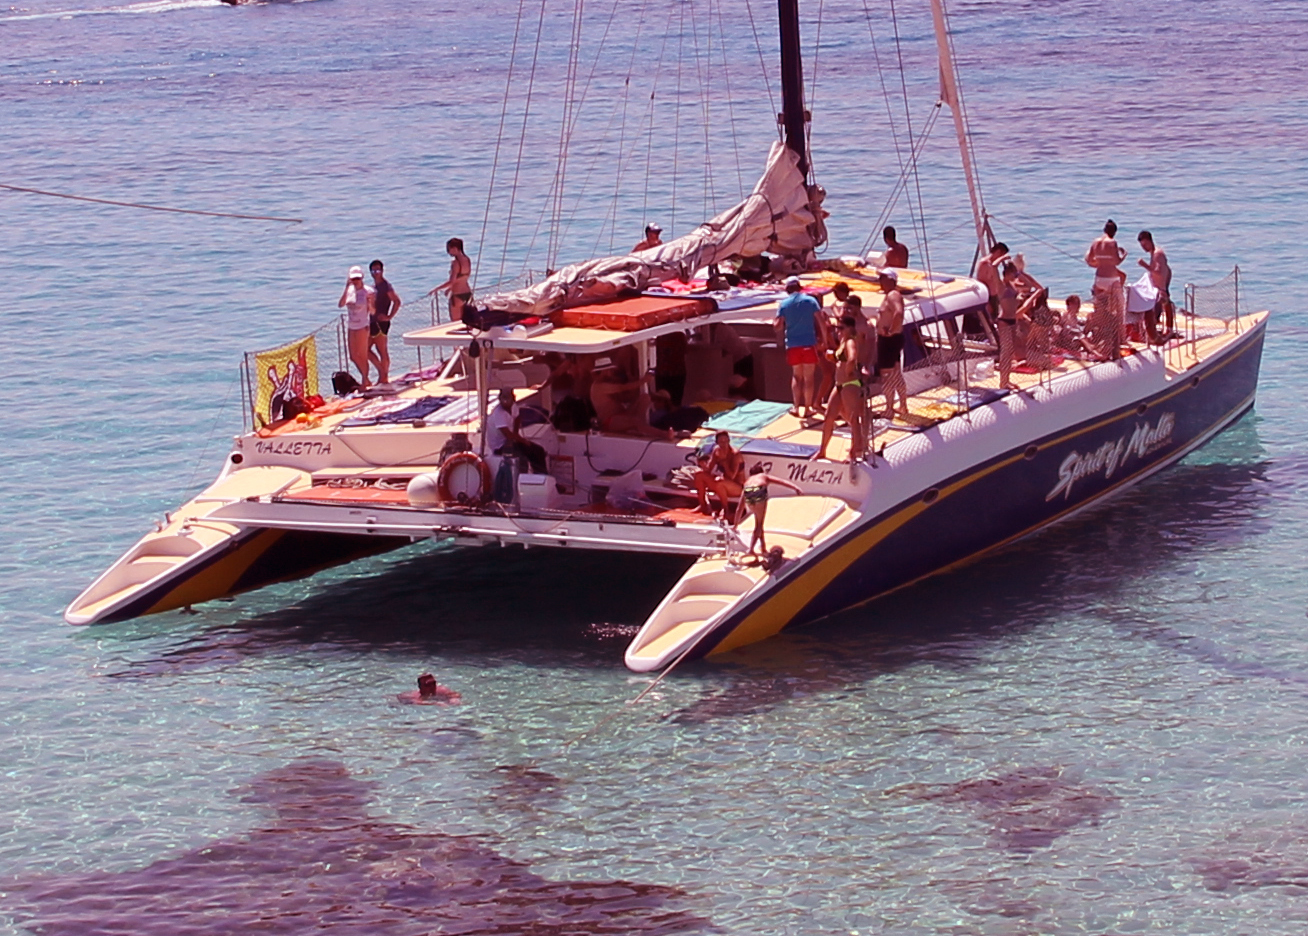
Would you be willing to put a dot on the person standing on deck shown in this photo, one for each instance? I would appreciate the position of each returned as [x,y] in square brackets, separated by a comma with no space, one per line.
[896,253]
[386,303]
[800,317]
[890,344]
[1160,274]
[357,301]
[653,238]
[457,285]
[1108,295]
[847,394]
[987,273]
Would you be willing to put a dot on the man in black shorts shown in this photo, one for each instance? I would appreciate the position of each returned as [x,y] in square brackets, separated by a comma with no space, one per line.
[386,305]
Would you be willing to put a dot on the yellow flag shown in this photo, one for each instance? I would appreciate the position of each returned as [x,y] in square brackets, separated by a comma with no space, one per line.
[283,374]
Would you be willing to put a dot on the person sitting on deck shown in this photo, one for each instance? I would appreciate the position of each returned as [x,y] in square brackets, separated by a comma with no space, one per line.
[896,253]
[721,473]
[754,499]
[504,434]
[620,395]
[653,238]
[847,395]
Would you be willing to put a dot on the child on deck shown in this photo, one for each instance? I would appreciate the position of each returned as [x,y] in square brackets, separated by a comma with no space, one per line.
[754,498]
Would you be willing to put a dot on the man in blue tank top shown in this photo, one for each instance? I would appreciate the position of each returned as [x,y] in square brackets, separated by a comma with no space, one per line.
[801,317]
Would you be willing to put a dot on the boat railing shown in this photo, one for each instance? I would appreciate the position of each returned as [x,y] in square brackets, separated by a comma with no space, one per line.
[272,375]
[1219,301]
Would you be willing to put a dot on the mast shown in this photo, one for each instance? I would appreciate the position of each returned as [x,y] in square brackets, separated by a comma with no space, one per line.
[792,117]
[949,93]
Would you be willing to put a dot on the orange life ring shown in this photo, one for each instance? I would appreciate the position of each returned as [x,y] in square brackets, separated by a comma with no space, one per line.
[453,462]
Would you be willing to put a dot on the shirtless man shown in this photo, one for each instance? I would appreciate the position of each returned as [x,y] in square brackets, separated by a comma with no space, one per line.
[1160,274]
[1109,297]
[457,285]
[722,473]
[653,238]
[987,272]
[890,344]
[896,253]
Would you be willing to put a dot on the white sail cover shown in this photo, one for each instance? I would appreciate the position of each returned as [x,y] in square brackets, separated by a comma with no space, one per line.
[782,216]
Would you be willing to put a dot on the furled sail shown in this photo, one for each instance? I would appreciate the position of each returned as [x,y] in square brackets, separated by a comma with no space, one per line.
[782,216]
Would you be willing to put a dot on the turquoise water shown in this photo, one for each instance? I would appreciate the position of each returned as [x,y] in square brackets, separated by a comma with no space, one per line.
[1099,730]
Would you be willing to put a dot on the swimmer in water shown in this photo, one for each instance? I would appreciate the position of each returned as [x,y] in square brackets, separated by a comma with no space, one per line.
[429,692]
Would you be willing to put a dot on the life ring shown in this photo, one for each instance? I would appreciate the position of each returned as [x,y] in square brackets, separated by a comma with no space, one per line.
[449,470]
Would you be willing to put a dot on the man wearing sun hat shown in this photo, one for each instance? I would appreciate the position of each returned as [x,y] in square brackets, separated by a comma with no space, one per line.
[357,301]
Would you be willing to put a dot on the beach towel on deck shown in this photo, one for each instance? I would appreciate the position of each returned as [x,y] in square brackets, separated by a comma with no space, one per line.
[748,418]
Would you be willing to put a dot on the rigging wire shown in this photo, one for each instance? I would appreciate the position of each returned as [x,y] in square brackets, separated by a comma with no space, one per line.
[565,132]
[902,181]
[499,138]
[758,45]
[812,92]
[705,74]
[890,116]
[649,140]
[125,204]
[522,139]
[1010,224]
[962,107]
[919,223]
[731,101]
[676,121]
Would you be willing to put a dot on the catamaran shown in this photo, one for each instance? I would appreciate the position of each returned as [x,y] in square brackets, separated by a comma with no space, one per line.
[974,466]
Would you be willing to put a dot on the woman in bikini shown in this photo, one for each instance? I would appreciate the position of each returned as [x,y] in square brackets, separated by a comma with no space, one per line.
[847,395]
[754,499]
[457,285]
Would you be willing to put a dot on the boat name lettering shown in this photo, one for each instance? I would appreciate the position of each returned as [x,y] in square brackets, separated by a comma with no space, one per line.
[298,447]
[806,473]
[1111,455]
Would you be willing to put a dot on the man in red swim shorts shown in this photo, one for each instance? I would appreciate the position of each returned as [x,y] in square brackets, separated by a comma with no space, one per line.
[801,317]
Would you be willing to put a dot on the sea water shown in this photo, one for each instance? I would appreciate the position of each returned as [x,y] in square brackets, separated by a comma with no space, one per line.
[1098,730]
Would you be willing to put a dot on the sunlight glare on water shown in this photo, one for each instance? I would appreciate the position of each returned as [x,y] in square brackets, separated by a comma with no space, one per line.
[1097,730]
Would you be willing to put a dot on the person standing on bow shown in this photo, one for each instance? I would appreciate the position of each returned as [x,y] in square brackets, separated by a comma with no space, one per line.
[1109,296]
[1160,274]
[896,253]
[653,238]
[357,301]
[799,318]
[457,285]
[386,302]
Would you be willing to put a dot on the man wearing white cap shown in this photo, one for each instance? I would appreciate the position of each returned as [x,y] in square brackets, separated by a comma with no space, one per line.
[653,238]
[357,301]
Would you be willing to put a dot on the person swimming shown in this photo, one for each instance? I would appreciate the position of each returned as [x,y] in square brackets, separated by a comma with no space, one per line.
[429,692]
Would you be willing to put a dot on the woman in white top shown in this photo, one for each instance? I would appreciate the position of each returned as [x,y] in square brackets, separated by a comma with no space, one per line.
[357,300]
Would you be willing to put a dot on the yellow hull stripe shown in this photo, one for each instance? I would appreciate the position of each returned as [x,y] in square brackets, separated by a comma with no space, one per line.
[778,611]
[218,579]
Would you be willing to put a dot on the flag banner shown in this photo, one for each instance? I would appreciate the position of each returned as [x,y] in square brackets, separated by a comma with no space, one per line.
[283,374]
